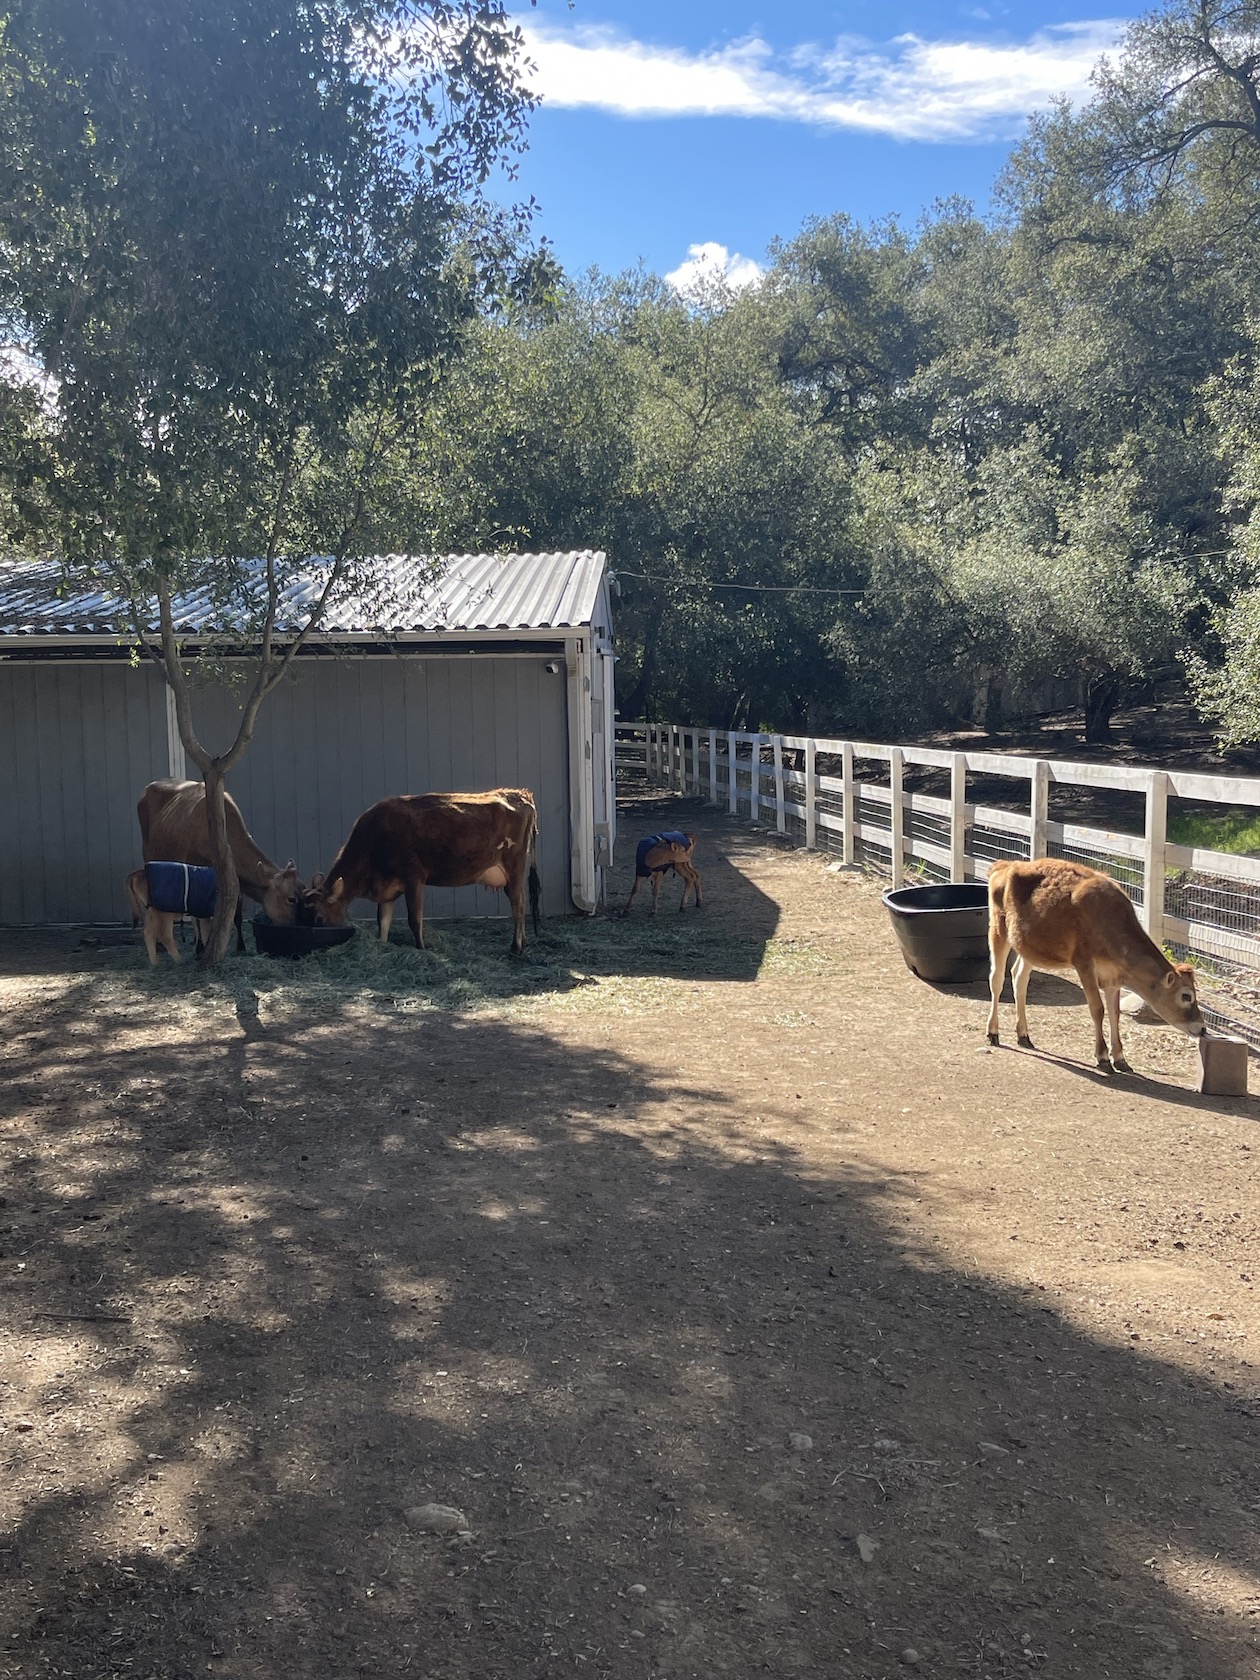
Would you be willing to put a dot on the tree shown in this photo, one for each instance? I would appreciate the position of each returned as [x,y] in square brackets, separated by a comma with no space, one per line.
[238,239]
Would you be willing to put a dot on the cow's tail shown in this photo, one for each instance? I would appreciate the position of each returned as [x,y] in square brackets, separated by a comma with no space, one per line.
[138,904]
[535,880]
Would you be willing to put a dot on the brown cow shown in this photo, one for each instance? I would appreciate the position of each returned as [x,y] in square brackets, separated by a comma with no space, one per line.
[1054,914]
[159,925]
[173,829]
[655,856]
[401,845]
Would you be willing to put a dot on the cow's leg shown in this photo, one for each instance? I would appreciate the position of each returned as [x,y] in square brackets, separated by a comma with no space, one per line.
[152,927]
[1111,996]
[240,917]
[633,890]
[695,881]
[1093,998]
[658,875]
[1021,974]
[415,912]
[385,919]
[516,898]
[999,956]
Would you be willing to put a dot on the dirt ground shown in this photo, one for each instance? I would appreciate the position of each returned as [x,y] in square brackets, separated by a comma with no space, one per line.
[755,1316]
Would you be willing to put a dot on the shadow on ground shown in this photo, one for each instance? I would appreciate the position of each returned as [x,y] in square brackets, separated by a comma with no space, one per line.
[263,1298]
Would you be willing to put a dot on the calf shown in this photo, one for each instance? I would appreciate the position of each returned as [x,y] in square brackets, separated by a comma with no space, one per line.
[174,829]
[402,845]
[655,856]
[159,925]
[1054,914]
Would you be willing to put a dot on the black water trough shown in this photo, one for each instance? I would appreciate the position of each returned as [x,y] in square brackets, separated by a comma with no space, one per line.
[281,939]
[943,930]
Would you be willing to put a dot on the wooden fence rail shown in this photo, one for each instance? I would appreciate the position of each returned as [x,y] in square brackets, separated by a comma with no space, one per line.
[1202,902]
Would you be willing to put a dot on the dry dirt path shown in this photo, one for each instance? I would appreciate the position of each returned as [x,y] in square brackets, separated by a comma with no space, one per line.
[757,1318]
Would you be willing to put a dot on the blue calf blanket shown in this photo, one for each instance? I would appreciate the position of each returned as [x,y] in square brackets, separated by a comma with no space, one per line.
[182,889]
[670,837]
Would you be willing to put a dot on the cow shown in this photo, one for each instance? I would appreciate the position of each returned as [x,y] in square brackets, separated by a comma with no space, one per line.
[655,856]
[173,829]
[159,925]
[401,845]
[1055,914]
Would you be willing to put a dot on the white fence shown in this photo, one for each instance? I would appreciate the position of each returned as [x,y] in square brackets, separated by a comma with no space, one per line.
[849,797]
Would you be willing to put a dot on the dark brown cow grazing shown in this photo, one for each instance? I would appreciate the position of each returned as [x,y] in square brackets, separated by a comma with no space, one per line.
[402,845]
[1054,914]
[173,829]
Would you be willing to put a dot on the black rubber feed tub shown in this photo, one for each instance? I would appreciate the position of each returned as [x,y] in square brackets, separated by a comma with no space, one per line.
[279,939]
[943,931]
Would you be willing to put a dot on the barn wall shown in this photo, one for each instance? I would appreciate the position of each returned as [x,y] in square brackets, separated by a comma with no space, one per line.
[346,732]
[77,744]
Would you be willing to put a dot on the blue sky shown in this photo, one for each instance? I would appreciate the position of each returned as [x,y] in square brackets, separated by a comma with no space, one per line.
[668,126]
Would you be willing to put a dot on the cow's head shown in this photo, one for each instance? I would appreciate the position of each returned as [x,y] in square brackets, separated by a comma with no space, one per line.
[1177,1001]
[326,903]
[285,896]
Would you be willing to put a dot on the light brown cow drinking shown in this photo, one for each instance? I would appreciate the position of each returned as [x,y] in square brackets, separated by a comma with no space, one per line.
[1054,915]
[402,845]
[174,829]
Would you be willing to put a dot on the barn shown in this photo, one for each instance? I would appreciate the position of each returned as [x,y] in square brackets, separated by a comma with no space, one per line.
[499,675]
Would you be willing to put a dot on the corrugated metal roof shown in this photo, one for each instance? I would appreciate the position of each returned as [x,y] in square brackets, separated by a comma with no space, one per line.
[393,594]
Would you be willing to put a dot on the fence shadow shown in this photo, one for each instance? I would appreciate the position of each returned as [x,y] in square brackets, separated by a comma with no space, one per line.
[701,1409]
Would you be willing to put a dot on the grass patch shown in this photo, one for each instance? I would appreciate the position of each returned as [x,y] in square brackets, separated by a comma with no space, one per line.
[1228,830]
[622,967]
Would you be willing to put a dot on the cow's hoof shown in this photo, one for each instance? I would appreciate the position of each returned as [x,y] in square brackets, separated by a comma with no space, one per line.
[1120,1065]
[1104,1065]
[994,1039]
[1026,1042]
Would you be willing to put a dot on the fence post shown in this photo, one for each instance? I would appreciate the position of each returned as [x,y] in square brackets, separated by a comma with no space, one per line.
[1039,809]
[811,810]
[779,798]
[682,757]
[713,767]
[958,817]
[649,746]
[732,748]
[897,839]
[848,812]
[1153,861]
[754,781]
[676,758]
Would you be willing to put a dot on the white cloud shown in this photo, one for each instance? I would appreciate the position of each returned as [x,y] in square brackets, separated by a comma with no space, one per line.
[911,88]
[710,266]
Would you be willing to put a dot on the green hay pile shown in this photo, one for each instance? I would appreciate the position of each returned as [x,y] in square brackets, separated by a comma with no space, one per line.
[621,967]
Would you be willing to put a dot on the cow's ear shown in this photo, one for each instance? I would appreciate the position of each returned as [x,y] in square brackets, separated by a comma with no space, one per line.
[317,882]
[336,890]
[1172,978]
[290,868]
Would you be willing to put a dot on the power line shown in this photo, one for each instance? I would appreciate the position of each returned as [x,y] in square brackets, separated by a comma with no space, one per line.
[758,588]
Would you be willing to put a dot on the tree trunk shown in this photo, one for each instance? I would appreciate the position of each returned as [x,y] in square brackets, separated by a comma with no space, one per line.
[634,706]
[223,925]
[1102,696]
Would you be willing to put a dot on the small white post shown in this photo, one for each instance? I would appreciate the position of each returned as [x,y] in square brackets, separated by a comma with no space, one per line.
[732,750]
[849,813]
[1153,859]
[958,817]
[675,757]
[754,810]
[811,810]
[713,798]
[649,750]
[1039,809]
[897,839]
[779,796]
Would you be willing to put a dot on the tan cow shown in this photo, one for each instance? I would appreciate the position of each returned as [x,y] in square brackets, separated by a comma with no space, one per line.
[401,845]
[173,829]
[1054,915]
[655,856]
[159,925]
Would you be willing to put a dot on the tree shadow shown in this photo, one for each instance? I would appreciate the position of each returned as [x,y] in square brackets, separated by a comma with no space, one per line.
[668,1371]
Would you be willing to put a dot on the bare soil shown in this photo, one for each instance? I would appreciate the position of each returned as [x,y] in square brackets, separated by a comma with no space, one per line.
[757,1317]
